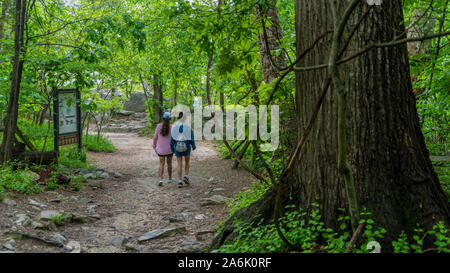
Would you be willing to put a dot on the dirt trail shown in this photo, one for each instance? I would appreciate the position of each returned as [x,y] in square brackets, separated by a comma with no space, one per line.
[133,204]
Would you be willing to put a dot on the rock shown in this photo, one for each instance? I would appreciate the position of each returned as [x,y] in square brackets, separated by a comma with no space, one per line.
[37,225]
[191,247]
[116,241]
[11,214]
[103,175]
[203,232]
[125,113]
[74,198]
[8,246]
[172,219]
[134,247]
[117,175]
[86,200]
[24,220]
[95,184]
[48,215]
[140,115]
[84,171]
[58,238]
[79,218]
[214,200]
[9,202]
[7,252]
[36,204]
[218,189]
[161,233]
[73,247]
[95,216]
[200,217]
[211,180]
[91,176]
[92,208]
[34,176]
[136,103]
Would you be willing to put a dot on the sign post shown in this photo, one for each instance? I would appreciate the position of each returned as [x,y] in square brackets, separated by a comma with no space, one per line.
[67,117]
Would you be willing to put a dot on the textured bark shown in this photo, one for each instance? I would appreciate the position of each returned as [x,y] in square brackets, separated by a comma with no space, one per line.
[13,105]
[175,92]
[158,96]
[3,21]
[392,171]
[274,36]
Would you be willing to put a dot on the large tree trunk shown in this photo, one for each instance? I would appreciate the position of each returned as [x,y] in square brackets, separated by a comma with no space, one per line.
[13,106]
[392,171]
[274,36]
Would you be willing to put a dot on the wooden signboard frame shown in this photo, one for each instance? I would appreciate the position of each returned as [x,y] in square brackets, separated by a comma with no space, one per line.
[71,136]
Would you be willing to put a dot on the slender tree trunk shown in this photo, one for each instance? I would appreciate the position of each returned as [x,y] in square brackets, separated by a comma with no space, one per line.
[3,21]
[158,96]
[13,106]
[175,91]
[393,174]
[274,36]
[208,78]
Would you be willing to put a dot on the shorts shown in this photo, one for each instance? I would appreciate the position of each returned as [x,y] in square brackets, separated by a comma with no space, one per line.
[169,155]
[187,153]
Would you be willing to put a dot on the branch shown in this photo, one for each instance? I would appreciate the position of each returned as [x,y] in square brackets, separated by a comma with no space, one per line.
[355,238]
[373,46]
[63,45]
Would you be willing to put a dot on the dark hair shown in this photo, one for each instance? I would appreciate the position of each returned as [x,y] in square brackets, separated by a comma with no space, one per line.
[165,127]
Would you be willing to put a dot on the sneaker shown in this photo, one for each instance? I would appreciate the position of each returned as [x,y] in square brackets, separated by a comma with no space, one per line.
[160,183]
[170,181]
[180,184]
[186,180]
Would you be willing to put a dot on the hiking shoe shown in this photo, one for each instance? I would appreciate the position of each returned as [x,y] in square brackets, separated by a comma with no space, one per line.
[160,183]
[180,184]
[186,180]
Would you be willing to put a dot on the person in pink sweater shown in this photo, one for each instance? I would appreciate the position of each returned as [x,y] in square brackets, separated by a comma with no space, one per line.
[161,144]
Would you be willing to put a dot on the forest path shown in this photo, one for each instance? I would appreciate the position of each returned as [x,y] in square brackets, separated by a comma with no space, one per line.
[132,205]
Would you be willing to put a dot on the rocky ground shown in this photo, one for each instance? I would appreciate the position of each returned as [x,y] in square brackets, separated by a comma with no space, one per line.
[121,209]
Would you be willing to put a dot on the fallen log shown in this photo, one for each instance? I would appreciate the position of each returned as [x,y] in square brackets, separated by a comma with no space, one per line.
[38,158]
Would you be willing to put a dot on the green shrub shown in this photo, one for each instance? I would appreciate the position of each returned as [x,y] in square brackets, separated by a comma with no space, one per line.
[72,157]
[77,182]
[310,233]
[245,198]
[101,144]
[17,180]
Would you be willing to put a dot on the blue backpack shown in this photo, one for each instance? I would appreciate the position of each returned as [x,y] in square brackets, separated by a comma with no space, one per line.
[180,145]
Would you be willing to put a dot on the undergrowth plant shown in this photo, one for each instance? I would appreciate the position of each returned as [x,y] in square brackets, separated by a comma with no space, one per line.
[308,231]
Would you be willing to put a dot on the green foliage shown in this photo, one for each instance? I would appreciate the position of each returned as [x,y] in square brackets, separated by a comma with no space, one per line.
[58,219]
[443,171]
[99,144]
[17,180]
[245,198]
[308,231]
[77,182]
[72,157]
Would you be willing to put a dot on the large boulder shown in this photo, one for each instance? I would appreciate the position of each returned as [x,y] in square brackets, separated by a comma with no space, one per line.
[136,103]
